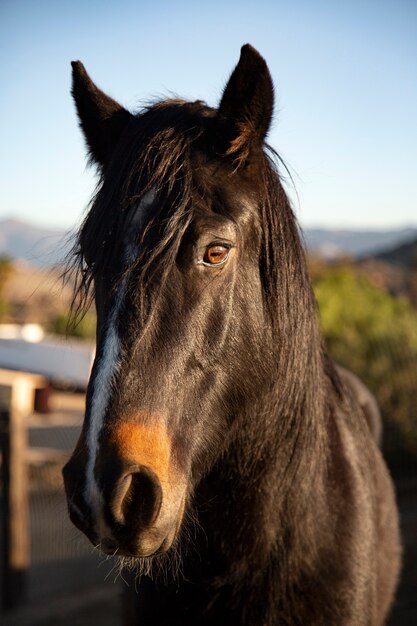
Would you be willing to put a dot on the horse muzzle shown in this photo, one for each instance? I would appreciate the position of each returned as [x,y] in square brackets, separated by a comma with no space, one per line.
[131,502]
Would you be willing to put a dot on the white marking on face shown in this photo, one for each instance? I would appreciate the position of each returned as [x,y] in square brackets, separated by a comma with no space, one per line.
[106,370]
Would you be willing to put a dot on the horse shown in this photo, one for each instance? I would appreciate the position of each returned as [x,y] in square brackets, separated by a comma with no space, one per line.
[223,454]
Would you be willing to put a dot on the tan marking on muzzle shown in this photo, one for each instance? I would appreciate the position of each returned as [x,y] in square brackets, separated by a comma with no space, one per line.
[144,444]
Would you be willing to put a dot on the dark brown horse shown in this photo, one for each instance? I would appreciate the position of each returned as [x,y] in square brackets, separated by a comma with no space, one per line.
[221,447]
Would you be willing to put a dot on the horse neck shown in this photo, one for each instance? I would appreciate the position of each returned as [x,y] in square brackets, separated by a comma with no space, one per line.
[264,482]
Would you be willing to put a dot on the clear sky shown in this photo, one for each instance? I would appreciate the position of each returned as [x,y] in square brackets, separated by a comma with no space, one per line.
[345,75]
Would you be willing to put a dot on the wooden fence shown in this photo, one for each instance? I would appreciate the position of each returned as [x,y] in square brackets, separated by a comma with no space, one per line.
[17,397]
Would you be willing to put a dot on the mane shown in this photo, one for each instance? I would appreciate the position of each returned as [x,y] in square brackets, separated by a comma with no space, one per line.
[304,382]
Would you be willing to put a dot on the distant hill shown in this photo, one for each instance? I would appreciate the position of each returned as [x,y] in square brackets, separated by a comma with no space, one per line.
[404,255]
[331,244]
[42,247]
[38,246]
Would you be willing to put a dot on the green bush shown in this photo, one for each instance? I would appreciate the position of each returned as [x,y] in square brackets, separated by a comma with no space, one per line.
[374,334]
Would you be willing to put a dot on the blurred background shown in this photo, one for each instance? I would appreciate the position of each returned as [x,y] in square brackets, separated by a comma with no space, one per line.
[345,124]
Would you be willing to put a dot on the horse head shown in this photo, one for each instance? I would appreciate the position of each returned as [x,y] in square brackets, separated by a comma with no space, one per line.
[181,248]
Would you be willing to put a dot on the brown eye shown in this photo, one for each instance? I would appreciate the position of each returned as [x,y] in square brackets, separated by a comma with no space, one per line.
[216,254]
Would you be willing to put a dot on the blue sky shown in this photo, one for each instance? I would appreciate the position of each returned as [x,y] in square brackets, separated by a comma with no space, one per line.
[345,75]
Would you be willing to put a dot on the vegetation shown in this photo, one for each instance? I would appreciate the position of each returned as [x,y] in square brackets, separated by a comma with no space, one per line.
[375,335]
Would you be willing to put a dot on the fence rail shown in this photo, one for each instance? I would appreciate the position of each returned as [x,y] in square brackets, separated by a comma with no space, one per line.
[17,398]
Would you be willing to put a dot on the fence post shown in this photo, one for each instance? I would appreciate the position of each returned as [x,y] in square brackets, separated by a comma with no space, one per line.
[18,393]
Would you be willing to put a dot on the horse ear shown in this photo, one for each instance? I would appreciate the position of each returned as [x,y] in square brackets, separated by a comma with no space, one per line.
[102,119]
[246,107]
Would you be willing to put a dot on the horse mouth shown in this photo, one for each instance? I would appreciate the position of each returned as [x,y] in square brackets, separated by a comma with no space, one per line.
[150,544]
[112,548]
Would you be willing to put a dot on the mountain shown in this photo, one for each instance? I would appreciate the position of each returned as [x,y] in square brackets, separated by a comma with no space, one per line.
[42,247]
[404,255]
[39,246]
[331,244]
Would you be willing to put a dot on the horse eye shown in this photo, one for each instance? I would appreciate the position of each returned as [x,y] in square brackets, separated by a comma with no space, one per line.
[216,254]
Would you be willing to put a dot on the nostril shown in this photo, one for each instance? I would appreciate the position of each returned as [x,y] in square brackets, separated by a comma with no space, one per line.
[144,497]
[137,496]
[120,492]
